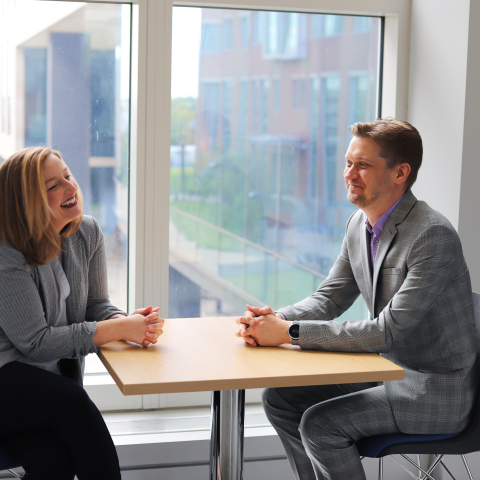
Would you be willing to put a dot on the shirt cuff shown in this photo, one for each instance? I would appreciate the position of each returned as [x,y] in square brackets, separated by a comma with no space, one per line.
[280,313]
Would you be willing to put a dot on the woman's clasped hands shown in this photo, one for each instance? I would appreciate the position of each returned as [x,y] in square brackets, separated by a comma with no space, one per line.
[145,326]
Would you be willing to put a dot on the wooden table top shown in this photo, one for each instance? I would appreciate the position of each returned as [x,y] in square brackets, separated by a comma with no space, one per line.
[203,354]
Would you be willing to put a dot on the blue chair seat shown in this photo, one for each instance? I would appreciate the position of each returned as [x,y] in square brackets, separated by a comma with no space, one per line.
[7,460]
[373,446]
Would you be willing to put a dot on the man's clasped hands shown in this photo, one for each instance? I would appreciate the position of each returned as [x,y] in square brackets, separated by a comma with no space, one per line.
[263,327]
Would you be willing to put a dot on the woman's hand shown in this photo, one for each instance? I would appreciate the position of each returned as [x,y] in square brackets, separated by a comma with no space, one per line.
[143,326]
[142,329]
[155,323]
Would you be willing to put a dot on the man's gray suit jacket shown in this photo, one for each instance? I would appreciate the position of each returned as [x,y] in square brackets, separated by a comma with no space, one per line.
[28,303]
[420,298]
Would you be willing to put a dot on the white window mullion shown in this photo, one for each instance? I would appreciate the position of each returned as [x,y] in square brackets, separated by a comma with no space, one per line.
[161,171]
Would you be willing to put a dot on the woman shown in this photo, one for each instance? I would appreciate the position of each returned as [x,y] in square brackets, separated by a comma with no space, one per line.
[53,298]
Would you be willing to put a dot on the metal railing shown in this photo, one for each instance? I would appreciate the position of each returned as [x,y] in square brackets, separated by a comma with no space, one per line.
[269,254]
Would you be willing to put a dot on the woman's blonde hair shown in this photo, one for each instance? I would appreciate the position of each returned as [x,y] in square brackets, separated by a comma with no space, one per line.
[25,216]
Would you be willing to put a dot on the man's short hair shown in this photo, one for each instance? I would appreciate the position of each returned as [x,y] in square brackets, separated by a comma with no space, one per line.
[400,142]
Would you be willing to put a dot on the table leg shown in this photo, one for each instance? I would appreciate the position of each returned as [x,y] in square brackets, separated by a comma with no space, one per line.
[226,440]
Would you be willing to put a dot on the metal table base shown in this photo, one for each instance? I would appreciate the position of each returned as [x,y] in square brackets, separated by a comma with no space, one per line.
[226,435]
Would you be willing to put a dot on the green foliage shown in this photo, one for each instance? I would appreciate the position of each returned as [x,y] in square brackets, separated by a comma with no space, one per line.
[183,119]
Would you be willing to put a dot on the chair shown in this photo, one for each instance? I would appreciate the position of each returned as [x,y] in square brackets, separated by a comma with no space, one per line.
[8,461]
[461,443]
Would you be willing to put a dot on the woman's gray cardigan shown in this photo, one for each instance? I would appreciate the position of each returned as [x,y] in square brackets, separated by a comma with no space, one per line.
[27,303]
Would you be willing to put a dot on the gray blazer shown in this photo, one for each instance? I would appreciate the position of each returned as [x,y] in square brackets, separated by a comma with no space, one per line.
[27,302]
[420,298]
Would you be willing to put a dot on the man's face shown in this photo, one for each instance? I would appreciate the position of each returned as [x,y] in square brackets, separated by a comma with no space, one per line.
[367,177]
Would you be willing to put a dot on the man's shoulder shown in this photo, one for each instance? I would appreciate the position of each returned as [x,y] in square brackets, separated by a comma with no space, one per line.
[423,217]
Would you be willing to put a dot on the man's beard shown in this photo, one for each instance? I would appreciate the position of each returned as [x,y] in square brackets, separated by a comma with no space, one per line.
[361,201]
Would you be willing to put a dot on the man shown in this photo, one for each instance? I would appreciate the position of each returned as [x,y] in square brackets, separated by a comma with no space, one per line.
[406,260]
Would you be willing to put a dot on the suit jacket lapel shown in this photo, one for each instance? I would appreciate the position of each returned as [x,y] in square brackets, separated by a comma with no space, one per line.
[388,234]
[367,265]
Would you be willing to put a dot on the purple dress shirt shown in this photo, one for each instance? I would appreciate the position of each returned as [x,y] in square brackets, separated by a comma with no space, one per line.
[376,230]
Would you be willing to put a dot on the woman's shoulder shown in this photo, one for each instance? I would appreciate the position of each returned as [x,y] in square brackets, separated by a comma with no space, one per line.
[10,257]
[89,226]
[88,233]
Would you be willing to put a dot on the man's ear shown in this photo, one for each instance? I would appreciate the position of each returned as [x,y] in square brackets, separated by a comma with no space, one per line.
[403,171]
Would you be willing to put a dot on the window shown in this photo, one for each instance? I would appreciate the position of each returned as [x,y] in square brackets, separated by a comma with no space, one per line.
[180,250]
[299,93]
[211,38]
[73,94]
[277,94]
[263,214]
[227,109]
[316,25]
[242,108]
[285,35]
[359,91]
[295,102]
[257,24]
[228,34]
[333,25]
[245,32]
[329,119]
[361,24]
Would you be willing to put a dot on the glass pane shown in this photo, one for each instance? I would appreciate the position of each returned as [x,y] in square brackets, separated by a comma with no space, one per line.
[263,101]
[64,83]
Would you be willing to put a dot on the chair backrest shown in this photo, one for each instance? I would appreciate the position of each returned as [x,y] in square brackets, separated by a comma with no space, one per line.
[476,309]
[473,430]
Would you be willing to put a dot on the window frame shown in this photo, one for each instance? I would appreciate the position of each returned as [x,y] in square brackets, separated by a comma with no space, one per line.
[151,45]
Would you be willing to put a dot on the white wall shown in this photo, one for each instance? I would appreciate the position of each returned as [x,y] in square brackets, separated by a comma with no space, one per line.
[444,104]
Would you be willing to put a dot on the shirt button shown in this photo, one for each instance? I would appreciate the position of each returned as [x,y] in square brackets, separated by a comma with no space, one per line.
[376,241]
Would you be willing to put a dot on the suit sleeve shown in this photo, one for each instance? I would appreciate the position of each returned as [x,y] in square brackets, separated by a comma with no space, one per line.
[434,260]
[334,296]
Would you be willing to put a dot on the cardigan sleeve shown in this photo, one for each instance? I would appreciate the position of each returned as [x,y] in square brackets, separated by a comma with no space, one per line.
[22,319]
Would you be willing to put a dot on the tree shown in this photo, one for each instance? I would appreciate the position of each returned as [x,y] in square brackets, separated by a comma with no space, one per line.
[183,119]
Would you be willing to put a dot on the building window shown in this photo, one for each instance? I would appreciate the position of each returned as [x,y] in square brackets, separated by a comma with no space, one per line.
[242,107]
[228,34]
[211,38]
[358,101]
[361,24]
[316,25]
[35,96]
[332,25]
[245,32]
[277,94]
[285,35]
[329,121]
[257,27]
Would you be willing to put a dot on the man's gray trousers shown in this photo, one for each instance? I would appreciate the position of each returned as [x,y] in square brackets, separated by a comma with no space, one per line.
[319,425]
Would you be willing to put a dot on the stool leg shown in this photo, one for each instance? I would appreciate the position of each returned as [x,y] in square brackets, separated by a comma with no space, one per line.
[466,467]
[15,474]
[380,468]
[215,437]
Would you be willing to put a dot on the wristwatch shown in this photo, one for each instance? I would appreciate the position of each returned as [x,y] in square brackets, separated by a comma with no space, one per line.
[294,332]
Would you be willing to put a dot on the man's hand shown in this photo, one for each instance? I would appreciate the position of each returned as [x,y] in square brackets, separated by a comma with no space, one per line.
[261,326]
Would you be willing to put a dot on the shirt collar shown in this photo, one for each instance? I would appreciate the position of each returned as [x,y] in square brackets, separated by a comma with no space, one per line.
[380,223]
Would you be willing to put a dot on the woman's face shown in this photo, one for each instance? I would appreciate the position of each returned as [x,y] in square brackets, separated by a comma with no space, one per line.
[61,192]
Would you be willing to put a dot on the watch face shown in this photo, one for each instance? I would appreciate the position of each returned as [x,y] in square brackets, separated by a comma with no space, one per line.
[294,330]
